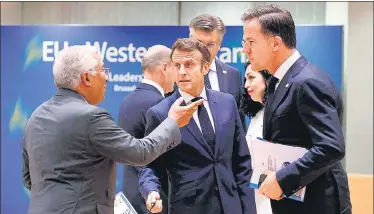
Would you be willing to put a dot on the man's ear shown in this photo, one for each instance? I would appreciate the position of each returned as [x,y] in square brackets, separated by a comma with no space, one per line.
[206,67]
[277,42]
[85,79]
[163,68]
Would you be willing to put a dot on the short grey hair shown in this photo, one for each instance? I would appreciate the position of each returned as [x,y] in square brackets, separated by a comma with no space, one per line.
[156,55]
[71,62]
[208,23]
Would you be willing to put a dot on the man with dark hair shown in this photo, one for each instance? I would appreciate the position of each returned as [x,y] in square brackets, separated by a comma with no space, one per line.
[210,30]
[158,80]
[209,173]
[304,109]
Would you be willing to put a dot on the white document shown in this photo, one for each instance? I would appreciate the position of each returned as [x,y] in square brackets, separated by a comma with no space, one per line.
[122,205]
[273,156]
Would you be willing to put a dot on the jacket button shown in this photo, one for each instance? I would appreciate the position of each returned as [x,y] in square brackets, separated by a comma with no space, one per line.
[216,188]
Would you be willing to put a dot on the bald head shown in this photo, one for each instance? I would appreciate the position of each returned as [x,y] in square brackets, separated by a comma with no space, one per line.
[155,56]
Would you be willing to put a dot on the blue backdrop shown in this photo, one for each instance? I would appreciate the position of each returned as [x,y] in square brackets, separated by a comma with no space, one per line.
[27,54]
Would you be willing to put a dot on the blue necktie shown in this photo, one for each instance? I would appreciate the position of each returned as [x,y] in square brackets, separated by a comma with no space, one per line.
[206,81]
[272,82]
[206,125]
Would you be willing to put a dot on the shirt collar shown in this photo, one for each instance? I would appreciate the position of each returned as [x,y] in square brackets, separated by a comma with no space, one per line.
[282,70]
[213,66]
[187,97]
[154,84]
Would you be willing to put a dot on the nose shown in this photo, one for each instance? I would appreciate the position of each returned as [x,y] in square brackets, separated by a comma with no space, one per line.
[246,50]
[182,70]
[247,84]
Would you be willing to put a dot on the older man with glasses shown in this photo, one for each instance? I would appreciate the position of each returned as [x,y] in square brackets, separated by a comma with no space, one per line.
[70,145]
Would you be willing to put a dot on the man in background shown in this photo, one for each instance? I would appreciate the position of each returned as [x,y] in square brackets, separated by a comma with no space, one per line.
[210,30]
[158,81]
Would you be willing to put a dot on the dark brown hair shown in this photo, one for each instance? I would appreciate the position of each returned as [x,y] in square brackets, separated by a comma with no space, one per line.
[274,21]
[187,44]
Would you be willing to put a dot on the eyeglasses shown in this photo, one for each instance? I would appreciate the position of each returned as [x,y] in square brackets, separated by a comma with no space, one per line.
[245,43]
[211,45]
[105,70]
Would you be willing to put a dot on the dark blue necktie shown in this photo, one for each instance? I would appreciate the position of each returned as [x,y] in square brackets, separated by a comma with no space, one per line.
[206,81]
[272,82]
[206,125]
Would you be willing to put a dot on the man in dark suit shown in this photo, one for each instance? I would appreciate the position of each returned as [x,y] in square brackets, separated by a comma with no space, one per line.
[304,109]
[70,145]
[158,80]
[210,30]
[209,172]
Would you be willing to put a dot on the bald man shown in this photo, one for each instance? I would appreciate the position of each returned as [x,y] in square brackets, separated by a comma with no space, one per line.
[158,81]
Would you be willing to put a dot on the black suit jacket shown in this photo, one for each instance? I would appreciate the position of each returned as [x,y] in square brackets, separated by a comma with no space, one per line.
[306,111]
[132,119]
[230,81]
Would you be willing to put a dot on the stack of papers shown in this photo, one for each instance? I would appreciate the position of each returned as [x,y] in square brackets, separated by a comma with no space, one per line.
[273,157]
[122,205]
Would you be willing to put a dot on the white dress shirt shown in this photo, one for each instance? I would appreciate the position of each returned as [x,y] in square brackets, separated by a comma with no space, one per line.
[282,70]
[213,76]
[154,84]
[187,99]
[263,205]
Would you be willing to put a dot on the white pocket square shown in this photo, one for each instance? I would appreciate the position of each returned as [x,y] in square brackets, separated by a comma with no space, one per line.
[225,72]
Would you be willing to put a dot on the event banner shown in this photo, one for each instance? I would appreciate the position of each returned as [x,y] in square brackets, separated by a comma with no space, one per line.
[28,52]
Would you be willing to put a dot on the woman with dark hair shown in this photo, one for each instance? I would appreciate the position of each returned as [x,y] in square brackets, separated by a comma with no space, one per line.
[252,104]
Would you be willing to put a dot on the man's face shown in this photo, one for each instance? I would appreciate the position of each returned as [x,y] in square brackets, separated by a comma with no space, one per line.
[212,40]
[189,71]
[257,46]
[98,83]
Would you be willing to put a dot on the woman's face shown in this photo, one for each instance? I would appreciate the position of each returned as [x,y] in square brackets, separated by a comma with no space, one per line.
[255,84]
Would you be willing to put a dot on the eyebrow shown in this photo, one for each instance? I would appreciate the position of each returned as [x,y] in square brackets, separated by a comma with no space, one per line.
[248,38]
[185,61]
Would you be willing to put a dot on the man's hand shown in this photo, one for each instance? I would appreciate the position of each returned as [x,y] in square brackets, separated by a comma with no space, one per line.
[154,203]
[270,187]
[183,114]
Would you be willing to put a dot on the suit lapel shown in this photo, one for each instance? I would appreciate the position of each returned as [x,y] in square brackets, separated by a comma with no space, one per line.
[222,79]
[194,129]
[216,111]
[281,91]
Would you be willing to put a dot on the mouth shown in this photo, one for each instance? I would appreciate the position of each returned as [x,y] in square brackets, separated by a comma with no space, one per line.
[184,81]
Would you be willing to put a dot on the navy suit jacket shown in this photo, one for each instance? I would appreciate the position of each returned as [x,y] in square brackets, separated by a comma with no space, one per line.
[193,168]
[230,82]
[306,110]
[132,119]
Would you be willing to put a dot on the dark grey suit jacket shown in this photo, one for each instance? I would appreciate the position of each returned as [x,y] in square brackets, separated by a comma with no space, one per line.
[69,153]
